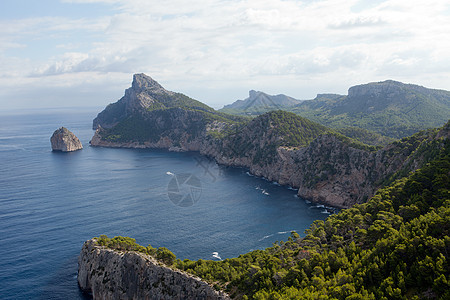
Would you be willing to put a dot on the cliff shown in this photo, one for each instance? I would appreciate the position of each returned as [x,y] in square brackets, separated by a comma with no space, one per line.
[64,140]
[325,166]
[145,94]
[113,274]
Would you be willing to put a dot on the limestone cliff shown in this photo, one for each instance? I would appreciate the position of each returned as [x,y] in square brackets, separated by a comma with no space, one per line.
[113,274]
[64,140]
[145,94]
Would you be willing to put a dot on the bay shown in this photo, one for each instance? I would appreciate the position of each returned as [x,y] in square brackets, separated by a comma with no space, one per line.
[50,203]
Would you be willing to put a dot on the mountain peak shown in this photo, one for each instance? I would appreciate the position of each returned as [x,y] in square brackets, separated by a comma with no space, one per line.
[384,87]
[254,94]
[143,82]
[145,94]
[258,102]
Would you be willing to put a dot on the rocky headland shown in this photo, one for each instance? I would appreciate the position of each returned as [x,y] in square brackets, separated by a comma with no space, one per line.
[112,274]
[325,166]
[65,141]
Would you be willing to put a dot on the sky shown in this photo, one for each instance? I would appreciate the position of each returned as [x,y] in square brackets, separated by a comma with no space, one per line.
[78,53]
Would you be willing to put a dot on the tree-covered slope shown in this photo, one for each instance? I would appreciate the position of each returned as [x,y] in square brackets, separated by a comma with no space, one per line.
[260,138]
[389,108]
[395,246]
[365,136]
[258,103]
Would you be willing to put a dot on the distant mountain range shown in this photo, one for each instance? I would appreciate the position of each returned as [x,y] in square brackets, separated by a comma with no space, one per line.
[390,108]
[259,102]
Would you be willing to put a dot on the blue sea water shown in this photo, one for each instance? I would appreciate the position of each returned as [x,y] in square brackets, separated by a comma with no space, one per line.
[50,203]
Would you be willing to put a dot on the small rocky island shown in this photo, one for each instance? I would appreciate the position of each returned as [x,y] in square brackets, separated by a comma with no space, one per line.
[64,140]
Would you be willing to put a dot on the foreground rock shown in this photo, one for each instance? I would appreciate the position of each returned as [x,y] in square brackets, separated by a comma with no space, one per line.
[112,274]
[64,140]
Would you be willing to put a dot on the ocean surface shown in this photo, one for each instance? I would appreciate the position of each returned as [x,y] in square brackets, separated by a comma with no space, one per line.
[50,203]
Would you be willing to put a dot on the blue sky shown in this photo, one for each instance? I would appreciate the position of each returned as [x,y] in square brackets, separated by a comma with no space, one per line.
[83,52]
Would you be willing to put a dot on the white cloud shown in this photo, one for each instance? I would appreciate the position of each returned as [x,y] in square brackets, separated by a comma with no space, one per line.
[224,45]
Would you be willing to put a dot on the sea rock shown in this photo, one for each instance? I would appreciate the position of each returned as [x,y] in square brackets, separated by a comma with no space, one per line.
[113,274]
[64,140]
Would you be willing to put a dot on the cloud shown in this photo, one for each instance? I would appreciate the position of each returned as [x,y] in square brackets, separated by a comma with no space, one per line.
[232,45]
[358,22]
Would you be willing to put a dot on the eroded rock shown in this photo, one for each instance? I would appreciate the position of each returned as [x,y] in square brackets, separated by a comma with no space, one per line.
[64,140]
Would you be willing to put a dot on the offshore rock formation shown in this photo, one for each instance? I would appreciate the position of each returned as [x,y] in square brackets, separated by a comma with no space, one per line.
[325,166]
[64,140]
[113,274]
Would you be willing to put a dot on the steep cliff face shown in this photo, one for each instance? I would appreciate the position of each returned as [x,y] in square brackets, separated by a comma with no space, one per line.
[64,140]
[111,274]
[328,170]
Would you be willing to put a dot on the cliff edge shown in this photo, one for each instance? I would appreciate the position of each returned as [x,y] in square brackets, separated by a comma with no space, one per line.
[113,274]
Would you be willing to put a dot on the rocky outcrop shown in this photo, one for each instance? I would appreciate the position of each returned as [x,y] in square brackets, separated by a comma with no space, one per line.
[64,140]
[145,94]
[113,274]
[135,98]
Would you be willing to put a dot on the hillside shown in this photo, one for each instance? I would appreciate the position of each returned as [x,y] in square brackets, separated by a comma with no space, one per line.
[395,246]
[259,102]
[325,166]
[389,108]
[145,94]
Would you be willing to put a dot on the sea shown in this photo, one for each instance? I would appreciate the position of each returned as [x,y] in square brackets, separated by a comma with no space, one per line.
[52,202]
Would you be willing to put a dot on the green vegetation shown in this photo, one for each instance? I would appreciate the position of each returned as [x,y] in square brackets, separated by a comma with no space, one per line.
[395,246]
[121,243]
[257,138]
[391,109]
[168,122]
[365,136]
[177,100]
[260,138]
[393,124]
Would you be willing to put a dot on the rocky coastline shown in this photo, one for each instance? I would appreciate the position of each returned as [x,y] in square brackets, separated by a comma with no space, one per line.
[328,171]
[327,168]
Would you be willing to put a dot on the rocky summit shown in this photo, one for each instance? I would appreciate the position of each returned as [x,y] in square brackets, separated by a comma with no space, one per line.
[64,140]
